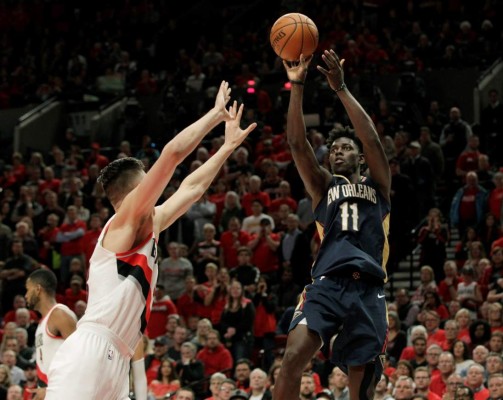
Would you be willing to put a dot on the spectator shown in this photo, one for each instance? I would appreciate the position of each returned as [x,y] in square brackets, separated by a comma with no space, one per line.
[215,382]
[153,361]
[237,322]
[245,272]
[173,270]
[14,273]
[464,320]
[75,292]
[462,358]
[251,224]
[427,277]
[338,384]
[264,245]
[432,151]
[293,250]
[216,297]
[230,241]
[201,213]
[16,373]
[495,386]
[422,381]
[166,382]
[226,390]
[214,355]
[397,339]
[407,311]
[188,303]
[232,209]
[180,335]
[432,357]
[200,337]
[70,237]
[475,381]
[491,124]
[433,237]
[480,333]
[307,387]
[255,194]
[468,292]
[204,252]
[162,308]
[189,369]
[468,160]
[258,389]
[432,302]
[447,288]
[446,367]
[494,364]
[242,371]
[453,383]
[90,238]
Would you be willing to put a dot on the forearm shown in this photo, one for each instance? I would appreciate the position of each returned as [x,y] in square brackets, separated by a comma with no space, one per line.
[187,140]
[361,121]
[296,127]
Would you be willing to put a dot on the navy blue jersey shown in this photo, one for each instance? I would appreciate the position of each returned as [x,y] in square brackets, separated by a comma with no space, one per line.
[353,223]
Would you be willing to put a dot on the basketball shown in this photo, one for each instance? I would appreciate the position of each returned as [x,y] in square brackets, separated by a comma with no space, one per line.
[292,35]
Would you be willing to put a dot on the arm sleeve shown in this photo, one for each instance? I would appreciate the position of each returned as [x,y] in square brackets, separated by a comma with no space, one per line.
[139,379]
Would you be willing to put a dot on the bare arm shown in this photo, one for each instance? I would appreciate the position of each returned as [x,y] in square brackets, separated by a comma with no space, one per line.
[61,323]
[362,123]
[196,184]
[140,201]
[313,175]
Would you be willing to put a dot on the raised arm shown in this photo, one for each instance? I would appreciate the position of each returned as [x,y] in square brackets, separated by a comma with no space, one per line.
[315,178]
[196,184]
[362,123]
[143,198]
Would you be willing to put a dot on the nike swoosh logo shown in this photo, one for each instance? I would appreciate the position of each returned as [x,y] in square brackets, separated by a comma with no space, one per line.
[379,296]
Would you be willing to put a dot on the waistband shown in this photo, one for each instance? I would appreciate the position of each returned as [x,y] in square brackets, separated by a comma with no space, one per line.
[102,330]
[355,275]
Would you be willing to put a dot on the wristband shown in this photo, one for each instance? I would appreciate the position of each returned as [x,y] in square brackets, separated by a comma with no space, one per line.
[293,82]
[342,87]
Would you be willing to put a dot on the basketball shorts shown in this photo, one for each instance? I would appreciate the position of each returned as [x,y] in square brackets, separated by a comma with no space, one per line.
[92,363]
[351,318]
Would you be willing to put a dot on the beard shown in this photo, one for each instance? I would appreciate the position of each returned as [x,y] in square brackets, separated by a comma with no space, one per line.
[32,302]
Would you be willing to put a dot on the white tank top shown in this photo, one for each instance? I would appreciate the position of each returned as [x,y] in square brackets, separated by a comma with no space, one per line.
[121,288]
[47,344]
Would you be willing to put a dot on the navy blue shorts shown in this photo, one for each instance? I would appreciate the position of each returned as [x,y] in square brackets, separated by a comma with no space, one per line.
[356,310]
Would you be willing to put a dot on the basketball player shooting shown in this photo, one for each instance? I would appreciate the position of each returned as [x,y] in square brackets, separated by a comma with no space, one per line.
[352,214]
[93,363]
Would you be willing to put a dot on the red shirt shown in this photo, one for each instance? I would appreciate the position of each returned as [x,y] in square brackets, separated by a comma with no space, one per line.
[71,298]
[215,360]
[443,289]
[264,257]
[433,396]
[89,241]
[290,202]
[74,246]
[159,313]
[468,161]
[152,370]
[437,385]
[53,185]
[248,198]
[494,201]
[467,208]
[187,306]
[229,243]
[436,338]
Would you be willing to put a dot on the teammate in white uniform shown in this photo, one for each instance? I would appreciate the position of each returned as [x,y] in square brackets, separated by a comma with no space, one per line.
[94,362]
[56,324]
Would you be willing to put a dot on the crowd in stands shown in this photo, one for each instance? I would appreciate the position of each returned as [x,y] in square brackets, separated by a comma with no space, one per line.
[231,269]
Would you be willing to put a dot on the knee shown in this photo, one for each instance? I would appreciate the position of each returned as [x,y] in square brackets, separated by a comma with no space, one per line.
[292,361]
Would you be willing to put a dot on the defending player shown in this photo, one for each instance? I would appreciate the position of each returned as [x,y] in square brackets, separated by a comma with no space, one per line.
[57,322]
[351,214]
[94,362]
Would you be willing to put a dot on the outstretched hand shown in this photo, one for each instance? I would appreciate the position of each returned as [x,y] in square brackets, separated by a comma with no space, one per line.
[335,72]
[297,70]
[223,97]
[234,135]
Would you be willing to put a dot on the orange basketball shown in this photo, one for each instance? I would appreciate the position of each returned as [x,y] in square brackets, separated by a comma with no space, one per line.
[292,35]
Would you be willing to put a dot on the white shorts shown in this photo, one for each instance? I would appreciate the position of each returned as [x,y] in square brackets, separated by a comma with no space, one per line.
[92,363]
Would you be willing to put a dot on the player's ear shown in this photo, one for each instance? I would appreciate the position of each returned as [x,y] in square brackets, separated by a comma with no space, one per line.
[361,159]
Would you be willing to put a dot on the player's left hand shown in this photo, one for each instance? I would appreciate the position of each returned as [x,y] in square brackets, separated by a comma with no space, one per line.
[223,97]
[335,71]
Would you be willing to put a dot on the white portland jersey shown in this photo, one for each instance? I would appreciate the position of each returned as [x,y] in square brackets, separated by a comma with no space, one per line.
[120,288]
[47,343]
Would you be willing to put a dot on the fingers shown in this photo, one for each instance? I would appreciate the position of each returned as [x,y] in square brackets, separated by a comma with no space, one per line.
[250,128]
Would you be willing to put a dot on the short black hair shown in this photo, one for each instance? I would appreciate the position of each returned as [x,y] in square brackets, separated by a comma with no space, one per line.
[345,132]
[116,176]
[45,278]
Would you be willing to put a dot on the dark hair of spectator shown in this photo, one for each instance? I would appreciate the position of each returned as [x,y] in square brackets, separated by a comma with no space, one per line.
[466,350]
[172,375]
[487,332]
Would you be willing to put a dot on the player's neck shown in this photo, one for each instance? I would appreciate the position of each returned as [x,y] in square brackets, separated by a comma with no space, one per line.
[46,306]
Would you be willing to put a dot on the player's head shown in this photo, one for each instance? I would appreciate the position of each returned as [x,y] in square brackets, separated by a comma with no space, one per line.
[120,177]
[345,151]
[40,283]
